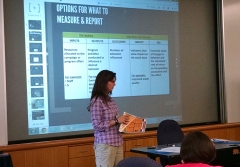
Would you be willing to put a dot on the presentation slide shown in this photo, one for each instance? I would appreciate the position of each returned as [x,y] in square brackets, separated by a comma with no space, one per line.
[68,42]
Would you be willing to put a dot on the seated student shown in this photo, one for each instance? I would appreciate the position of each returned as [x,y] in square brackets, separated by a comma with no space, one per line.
[197,150]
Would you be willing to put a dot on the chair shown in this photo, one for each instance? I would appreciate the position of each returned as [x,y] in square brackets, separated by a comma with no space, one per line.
[138,162]
[169,132]
[5,160]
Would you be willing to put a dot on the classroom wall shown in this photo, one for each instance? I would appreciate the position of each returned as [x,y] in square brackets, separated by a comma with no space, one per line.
[231,15]
[3,110]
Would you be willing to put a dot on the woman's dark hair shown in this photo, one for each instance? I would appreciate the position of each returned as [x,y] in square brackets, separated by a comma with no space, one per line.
[197,148]
[100,85]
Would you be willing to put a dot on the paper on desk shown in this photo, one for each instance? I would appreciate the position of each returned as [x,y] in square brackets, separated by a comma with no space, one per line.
[170,150]
[219,140]
[224,141]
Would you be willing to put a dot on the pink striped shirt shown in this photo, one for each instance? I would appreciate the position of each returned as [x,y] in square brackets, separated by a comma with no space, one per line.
[191,165]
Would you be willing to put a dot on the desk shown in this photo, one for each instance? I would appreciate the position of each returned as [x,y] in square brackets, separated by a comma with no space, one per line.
[227,155]
[5,160]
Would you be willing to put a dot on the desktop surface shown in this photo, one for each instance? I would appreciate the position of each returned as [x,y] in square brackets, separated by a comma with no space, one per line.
[227,155]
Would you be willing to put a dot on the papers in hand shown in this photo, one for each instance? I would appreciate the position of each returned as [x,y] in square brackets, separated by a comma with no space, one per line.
[135,124]
[170,150]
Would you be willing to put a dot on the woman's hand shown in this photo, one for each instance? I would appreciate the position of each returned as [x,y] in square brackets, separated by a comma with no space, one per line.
[124,119]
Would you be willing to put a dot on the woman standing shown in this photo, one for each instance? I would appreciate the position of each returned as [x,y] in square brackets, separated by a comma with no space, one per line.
[106,121]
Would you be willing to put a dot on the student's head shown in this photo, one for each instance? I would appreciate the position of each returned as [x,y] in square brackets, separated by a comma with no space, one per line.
[104,83]
[197,148]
